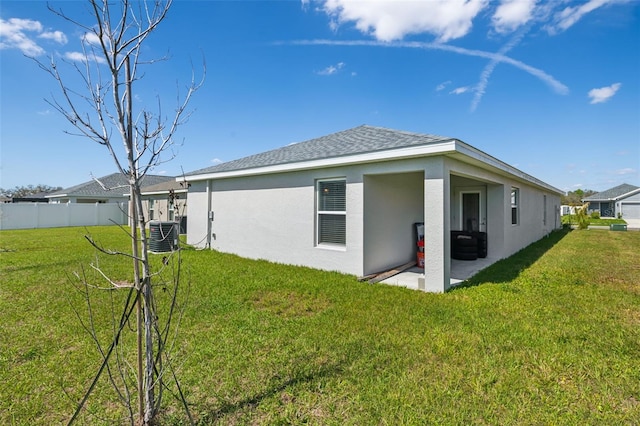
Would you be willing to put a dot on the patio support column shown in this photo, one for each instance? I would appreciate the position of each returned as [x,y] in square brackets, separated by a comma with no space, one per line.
[437,202]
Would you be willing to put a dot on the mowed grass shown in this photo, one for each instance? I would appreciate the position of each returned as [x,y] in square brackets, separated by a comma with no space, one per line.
[548,336]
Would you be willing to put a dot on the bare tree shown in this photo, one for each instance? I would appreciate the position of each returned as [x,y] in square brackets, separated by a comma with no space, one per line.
[99,105]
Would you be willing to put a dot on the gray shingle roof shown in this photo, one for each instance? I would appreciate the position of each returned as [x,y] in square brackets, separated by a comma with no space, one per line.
[612,193]
[359,140]
[165,186]
[116,184]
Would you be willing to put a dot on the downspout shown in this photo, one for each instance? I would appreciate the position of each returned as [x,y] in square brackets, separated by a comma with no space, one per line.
[209,213]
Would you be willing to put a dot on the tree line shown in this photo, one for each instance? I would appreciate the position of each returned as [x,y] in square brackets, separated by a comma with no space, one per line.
[574,198]
[25,191]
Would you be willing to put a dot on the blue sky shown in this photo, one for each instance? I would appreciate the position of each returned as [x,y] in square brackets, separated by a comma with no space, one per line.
[552,88]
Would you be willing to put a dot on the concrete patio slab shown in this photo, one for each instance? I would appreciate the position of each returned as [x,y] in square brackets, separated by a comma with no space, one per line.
[461,270]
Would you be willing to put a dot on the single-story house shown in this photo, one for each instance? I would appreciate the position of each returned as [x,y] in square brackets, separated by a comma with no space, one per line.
[166,201]
[113,188]
[350,202]
[622,200]
[33,198]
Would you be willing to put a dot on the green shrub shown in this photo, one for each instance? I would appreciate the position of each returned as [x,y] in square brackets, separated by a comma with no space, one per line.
[595,214]
[583,217]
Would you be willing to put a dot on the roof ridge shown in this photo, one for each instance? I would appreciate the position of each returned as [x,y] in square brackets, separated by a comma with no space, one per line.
[407,132]
[354,141]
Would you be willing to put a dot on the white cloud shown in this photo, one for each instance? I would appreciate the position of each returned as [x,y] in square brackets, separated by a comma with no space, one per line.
[481,87]
[460,90]
[442,86]
[626,171]
[57,36]
[390,20]
[13,35]
[331,69]
[91,38]
[82,57]
[216,161]
[603,94]
[512,14]
[546,78]
[75,56]
[572,14]
[17,33]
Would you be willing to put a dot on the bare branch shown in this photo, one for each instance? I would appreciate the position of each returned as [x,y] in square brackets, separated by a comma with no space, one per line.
[110,252]
[99,105]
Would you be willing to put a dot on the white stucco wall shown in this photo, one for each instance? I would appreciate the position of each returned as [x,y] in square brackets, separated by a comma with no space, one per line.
[393,203]
[197,220]
[161,207]
[273,216]
[504,239]
[437,226]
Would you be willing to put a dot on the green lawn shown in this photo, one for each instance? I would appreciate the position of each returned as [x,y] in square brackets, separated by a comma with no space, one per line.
[549,336]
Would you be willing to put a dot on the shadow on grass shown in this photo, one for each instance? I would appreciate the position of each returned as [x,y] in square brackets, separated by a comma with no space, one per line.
[508,269]
[208,414]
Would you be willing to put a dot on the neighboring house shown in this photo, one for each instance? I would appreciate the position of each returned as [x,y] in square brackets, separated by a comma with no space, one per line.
[113,188]
[349,202]
[33,198]
[166,201]
[623,200]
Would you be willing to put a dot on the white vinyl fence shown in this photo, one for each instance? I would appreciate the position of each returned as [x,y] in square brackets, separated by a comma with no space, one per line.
[43,215]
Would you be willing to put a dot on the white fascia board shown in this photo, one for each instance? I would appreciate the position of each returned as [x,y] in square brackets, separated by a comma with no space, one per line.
[618,198]
[451,146]
[370,157]
[494,163]
[628,194]
[164,192]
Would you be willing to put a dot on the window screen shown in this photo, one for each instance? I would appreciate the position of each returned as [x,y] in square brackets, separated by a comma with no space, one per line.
[332,211]
[515,201]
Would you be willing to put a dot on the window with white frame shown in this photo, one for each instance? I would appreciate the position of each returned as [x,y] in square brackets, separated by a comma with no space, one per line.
[152,209]
[515,204]
[331,211]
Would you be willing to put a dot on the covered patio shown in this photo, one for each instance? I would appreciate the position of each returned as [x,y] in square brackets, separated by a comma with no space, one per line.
[447,205]
[461,270]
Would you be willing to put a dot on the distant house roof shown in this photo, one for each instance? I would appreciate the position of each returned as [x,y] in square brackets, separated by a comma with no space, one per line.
[110,186]
[31,198]
[358,145]
[613,194]
[359,140]
[165,187]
